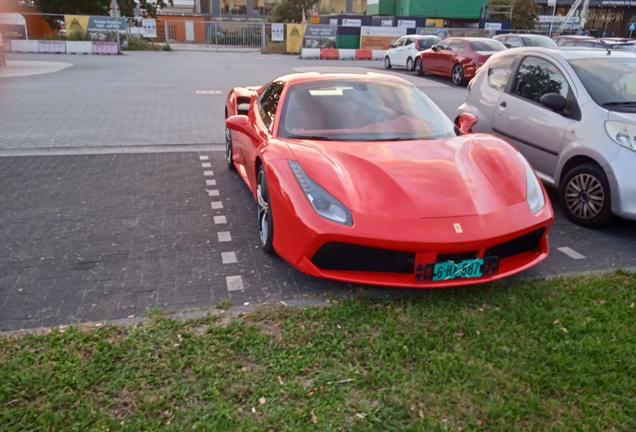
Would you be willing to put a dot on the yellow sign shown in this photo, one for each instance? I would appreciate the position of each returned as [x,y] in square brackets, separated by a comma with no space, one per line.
[295,34]
[76,25]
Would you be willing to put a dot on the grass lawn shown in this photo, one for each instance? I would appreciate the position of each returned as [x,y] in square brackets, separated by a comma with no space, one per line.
[511,356]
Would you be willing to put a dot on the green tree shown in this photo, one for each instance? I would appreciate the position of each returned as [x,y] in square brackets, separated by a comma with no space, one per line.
[98,7]
[499,9]
[524,14]
[291,10]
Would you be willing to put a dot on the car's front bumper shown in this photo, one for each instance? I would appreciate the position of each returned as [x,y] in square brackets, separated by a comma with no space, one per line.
[620,174]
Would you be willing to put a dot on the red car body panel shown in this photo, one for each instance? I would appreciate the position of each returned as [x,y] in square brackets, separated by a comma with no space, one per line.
[403,196]
[442,62]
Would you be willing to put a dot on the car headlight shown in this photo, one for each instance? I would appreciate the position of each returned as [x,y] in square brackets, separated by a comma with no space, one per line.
[534,192]
[322,201]
[622,133]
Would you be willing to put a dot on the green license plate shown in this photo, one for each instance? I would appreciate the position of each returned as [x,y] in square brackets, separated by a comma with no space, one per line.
[458,270]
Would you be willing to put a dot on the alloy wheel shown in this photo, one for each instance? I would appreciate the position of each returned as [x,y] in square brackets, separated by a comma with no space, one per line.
[263,209]
[228,146]
[584,196]
[387,62]
[418,67]
[409,64]
[458,74]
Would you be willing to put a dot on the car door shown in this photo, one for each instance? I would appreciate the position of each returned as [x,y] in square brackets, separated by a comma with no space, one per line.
[397,56]
[431,58]
[450,56]
[408,50]
[263,120]
[535,130]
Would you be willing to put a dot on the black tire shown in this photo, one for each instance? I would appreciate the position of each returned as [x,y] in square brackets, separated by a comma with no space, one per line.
[585,196]
[229,149]
[410,64]
[265,219]
[457,76]
[419,70]
[387,62]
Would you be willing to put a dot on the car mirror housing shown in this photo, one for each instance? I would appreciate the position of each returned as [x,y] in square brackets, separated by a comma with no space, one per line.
[554,101]
[240,123]
[435,47]
[465,122]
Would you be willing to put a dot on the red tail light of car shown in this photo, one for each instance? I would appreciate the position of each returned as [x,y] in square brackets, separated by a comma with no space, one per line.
[417,44]
[481,59]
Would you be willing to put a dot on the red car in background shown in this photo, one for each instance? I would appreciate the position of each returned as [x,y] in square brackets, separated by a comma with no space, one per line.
[457,58]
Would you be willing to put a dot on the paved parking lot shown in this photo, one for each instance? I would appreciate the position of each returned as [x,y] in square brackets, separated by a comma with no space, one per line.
[159,220]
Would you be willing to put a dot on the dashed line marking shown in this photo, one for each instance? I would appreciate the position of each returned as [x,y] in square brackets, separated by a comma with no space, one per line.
[204,158]
[228,258]
[206,165]
[224,236]
[571,253]
[216,205]
[218,220]
[208,173]
[212,192]
[234,283]
[210,182]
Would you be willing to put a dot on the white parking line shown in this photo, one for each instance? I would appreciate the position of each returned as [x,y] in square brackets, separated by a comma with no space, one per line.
[571,253]
[212,192]
[208,173]
[206,165]
[210,182]
[234,283]
[224,236]
[228,258]
[204,158]
[216,205]
[218,220]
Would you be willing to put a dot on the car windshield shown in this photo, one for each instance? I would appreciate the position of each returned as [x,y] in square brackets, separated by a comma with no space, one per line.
[540,41]
[360,110]
[426,43]
[487,45]
[611,82]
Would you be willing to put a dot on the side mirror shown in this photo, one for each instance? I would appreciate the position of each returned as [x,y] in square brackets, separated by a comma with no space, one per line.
[465,122]
[241,123]
[554,101]
[435,47]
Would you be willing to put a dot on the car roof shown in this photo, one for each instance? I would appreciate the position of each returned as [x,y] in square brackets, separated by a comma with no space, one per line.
[302,77]
[571,53]
[520,35]
[421,36]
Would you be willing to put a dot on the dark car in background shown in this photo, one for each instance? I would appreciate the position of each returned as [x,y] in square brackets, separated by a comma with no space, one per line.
[525,40]
[457,58]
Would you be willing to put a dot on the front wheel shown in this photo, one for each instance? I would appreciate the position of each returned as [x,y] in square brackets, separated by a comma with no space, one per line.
[265,220]
[418,67]
[458,75]
[387,62]
[229,151]
[409,64]
[585,196]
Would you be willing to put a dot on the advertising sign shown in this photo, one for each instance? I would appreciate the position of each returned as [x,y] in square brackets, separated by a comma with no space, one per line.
[379,38]
[278,32]
[333,21]
[149,28]
[13,26]
[558,19]
[406,23]
[98,28]
[294,37]
[627,3]
[347,22]
[76,25]
[320,36]
[492,26]
[386,23]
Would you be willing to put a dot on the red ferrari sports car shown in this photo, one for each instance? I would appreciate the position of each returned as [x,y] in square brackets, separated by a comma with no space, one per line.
[362,178]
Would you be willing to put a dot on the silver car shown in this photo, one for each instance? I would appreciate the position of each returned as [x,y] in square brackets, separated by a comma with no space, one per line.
[572,114]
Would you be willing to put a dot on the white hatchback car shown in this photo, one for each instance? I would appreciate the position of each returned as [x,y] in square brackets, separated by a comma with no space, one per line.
[572,114]
[403,51]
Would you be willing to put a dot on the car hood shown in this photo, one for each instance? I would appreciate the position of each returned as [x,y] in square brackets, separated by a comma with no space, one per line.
[462,176]
[629,117]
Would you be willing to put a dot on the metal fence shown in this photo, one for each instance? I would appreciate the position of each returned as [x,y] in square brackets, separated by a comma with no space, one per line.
[215,36]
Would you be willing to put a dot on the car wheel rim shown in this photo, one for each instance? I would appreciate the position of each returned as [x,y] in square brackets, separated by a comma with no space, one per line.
[263,209]
[409,64]
[584,196]
[457,74]
[228,146]
[418,67]
[387,62]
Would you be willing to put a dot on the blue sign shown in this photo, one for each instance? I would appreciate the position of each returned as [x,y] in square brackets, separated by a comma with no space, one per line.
[632,26]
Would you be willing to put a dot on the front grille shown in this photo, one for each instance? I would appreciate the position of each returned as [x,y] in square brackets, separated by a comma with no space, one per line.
[458,256]
[350,257]
[525,243]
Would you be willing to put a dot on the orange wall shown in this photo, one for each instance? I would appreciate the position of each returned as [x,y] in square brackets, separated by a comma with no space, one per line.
[177,28]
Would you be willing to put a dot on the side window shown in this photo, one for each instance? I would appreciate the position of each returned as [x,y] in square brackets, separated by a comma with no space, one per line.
[408,42]
[514,42]
[268,102]
[537,77]
[498,72]
[443,46]
[399,43]
[456,45]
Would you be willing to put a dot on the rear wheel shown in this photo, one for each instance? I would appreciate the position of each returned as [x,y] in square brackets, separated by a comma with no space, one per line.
[265,220]
[387,62]
[585,196]
[418,67]
[458,75]
[409,64]
[229,150]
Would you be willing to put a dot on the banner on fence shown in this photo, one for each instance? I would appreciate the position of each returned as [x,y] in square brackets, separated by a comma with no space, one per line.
[295,37]
[379,38]
[149,27]
[97,27]
[13,26]
[320,36]
[444,32]
[278,32]
[76,25]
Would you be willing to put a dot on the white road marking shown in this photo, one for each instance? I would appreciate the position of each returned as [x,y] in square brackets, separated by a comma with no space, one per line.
[212,192]
[228,258]
[204,158]
[224,236]
[216,205]
[208,173]
[218,220]
[234,283]
[571,253]
[209,92]
[205,165]
[210,182]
